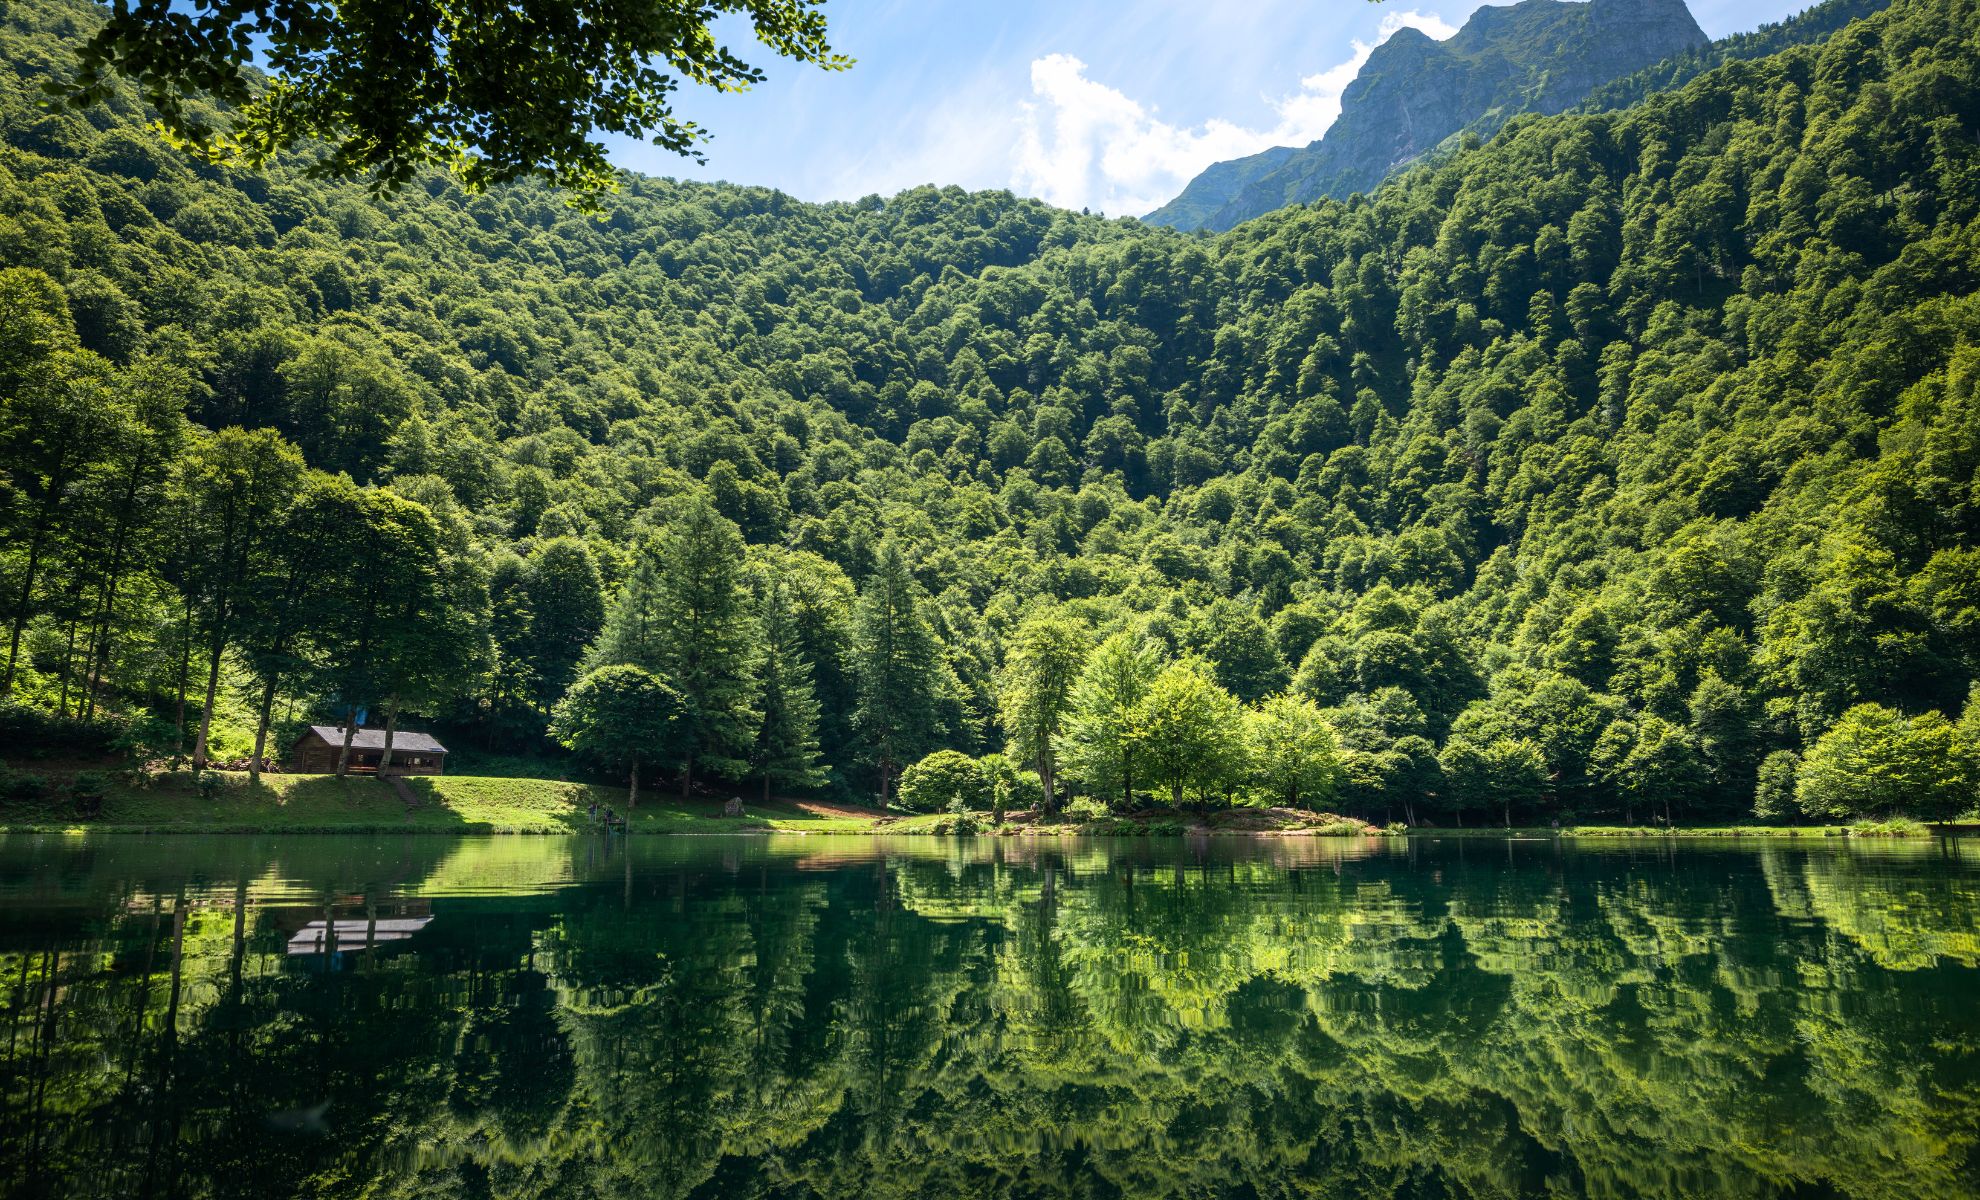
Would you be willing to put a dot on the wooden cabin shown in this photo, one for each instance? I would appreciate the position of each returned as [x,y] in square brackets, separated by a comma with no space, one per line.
[315,752]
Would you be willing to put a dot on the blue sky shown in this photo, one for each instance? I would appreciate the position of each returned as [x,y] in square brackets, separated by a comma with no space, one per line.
[1111,106]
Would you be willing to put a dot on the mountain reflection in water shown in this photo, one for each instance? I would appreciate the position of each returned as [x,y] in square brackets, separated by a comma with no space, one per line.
[849,1017]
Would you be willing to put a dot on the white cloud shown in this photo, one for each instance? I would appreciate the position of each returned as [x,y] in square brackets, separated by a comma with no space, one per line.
[1083,144]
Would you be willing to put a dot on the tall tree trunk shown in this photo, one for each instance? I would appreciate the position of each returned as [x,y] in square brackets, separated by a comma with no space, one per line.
[215,654]
[391,728]
[99,640]
[185,678]
[344,752]
[632,787]
[1047,777]
[43,520]
[68,656]
[687,777]
[264,713]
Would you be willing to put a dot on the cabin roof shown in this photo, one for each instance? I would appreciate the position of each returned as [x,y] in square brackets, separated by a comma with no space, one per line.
[374,739]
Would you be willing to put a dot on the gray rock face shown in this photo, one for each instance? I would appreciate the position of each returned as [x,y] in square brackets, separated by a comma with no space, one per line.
[1414,93]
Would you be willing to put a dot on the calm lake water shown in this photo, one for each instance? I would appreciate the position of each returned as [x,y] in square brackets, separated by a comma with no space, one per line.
[849,1017]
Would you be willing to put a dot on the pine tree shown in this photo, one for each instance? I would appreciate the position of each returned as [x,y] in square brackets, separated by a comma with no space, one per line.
[685,615]
[902,674]
[786,749]
[630,633]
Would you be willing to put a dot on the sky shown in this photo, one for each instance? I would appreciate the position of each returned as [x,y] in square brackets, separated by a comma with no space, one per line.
[1106,105]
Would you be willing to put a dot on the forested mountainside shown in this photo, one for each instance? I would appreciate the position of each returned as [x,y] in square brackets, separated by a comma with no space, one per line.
[1605,466]
[1807,27]
[1414,92]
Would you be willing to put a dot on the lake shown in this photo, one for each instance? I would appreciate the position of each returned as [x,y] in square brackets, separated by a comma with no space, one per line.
[853,1017]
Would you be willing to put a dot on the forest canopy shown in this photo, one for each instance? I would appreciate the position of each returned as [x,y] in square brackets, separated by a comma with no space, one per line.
[1578,475]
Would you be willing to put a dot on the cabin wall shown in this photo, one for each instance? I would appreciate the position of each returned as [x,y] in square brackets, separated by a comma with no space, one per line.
[313,756]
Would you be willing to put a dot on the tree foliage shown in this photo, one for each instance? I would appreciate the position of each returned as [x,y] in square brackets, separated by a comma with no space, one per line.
[1644,435]
[394,86]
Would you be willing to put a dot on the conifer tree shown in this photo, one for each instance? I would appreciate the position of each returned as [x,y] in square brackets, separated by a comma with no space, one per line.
[685,615]
[786,748]
[902,674]
[630,633]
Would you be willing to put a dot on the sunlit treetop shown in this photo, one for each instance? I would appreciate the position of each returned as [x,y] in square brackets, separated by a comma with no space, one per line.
[489,90]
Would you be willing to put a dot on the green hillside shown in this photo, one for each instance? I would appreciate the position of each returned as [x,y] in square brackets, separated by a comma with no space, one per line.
[1599,470]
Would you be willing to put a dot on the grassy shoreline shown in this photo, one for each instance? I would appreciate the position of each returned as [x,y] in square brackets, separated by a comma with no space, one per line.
[467,804]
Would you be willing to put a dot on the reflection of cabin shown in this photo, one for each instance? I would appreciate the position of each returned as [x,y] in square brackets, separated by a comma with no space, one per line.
[316,752]
[354,933]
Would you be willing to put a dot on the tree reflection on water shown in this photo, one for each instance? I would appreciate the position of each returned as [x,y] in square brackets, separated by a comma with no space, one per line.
[537,1017]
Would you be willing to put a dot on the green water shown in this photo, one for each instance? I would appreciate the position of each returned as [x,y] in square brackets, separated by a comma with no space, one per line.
[845,1017]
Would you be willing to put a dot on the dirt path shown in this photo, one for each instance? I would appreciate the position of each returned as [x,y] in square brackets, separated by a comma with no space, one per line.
[405,793]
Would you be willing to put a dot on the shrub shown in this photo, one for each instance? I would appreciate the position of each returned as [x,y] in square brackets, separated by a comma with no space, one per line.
[37,734]
[209,784]
[1085,808]
[1011,787]
[86,791]
[1891,827]
[147,740]
[23,787]
[1341,828]
[944,778]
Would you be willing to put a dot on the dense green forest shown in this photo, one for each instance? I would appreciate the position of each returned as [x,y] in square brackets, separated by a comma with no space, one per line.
[1626,464]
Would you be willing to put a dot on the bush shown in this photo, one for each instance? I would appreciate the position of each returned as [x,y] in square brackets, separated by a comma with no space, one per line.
[147,740]
[959,825]
[1342,828]
[37,734]
[209,784]
[86,791]
[1893,827]
[1011,787]
[23,787]
[944,778]
[1086,809]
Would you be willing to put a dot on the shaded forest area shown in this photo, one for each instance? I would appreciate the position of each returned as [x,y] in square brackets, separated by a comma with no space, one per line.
[1627,465]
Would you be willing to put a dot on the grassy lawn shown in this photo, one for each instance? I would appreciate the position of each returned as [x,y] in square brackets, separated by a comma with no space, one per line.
[511,804]
[447,804]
